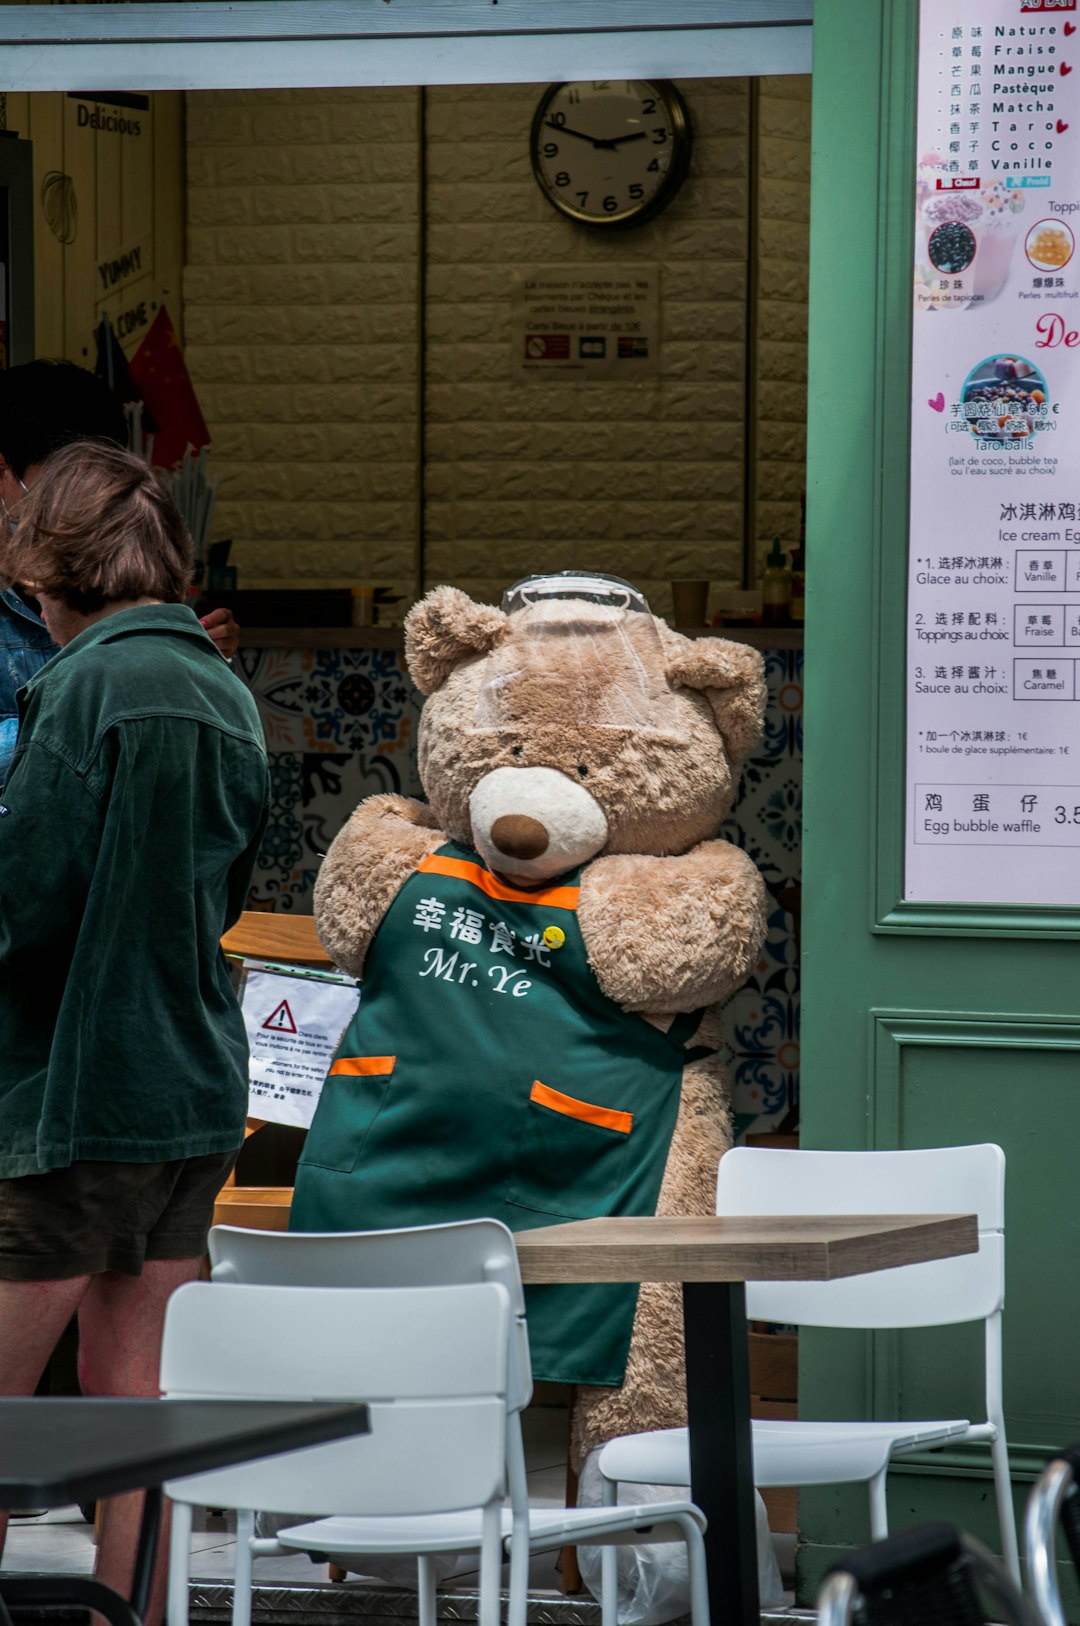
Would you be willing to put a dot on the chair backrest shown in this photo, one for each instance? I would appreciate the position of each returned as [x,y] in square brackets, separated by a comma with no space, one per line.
[480,1250]
[430,1362]
[951,1179]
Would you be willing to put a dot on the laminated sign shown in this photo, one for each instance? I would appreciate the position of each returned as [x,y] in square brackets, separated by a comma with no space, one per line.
[993,688]
[294,1023]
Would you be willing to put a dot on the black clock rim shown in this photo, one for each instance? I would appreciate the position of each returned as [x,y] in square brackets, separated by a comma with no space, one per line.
[682,136]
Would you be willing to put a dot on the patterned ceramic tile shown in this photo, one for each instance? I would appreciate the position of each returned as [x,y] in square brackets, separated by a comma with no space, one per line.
[341,725]
[762,1019]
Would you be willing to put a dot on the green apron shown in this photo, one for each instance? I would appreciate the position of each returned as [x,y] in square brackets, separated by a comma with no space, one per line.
[486,1073]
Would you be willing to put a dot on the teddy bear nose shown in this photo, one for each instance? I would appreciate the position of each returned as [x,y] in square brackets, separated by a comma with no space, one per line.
[518,836]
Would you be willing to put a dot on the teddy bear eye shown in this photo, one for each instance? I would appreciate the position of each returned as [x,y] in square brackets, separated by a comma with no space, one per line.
[583,770]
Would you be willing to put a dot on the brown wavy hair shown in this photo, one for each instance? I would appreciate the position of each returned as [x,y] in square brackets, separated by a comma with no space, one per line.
[98,526]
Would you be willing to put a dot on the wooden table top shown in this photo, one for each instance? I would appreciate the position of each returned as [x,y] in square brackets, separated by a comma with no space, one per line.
[262,935]
[718,1249]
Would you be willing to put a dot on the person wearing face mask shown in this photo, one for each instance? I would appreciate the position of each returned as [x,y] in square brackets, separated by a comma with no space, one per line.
[45,405]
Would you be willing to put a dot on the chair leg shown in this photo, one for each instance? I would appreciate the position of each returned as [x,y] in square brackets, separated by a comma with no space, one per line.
[571,1572]
[491,1567]
[699,1579]
[519,1574]
[609,1586]
[609,1561]
[425,1589]
[1010,1551]
[245,1533]
[879,1514]
[335,1573]
[517,1484]
[179,1564]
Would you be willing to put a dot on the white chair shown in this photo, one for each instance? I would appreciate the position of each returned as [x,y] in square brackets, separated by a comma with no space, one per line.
[430,1362]
[958,1179]
[470,1250]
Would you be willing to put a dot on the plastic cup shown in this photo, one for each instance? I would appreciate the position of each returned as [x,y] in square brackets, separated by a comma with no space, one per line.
[690,601]
[363,606]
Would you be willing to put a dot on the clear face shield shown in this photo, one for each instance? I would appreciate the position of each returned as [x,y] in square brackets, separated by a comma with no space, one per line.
[585,651]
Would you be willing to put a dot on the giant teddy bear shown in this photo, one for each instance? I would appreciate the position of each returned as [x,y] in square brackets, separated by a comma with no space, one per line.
[542,947]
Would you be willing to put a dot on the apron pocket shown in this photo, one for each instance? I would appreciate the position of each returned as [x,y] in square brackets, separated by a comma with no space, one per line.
[571,1155]
[352,1098]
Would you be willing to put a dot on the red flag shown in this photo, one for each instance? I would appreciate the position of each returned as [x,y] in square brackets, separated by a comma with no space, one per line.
[161,378]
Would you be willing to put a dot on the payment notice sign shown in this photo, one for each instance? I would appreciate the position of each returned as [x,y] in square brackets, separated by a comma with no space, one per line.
[993,637]
[589,322]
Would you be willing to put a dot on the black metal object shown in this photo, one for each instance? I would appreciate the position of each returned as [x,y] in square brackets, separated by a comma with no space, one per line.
[1070,1505]
[45,1596]
[931,1575]
[721,1451]
[920,1575]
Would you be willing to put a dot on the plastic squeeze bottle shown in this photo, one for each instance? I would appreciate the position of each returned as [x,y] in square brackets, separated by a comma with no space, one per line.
[798,572]
[775,588]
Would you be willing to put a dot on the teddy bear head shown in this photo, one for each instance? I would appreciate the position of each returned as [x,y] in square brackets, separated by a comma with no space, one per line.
[564,726]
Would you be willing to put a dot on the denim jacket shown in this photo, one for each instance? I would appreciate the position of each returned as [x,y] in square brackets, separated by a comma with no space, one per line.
[25,646]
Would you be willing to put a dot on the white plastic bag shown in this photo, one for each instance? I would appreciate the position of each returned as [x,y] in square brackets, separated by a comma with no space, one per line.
[654,1581]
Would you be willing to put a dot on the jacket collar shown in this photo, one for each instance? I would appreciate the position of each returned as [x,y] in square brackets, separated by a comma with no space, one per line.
[18,606]
[179,620]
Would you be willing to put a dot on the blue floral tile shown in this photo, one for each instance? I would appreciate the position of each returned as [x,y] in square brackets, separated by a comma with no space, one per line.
[761,1021]
[340,725]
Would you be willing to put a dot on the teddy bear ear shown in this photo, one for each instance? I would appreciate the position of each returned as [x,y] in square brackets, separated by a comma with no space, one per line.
[731,677]
[446,628]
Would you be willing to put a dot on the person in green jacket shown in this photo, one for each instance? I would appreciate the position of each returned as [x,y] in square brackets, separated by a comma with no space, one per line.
[129,825]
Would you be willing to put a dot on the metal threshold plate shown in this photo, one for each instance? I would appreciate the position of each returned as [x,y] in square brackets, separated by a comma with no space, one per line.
[375,1603]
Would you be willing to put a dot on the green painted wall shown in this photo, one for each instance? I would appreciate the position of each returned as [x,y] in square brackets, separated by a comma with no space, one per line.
[920,1026]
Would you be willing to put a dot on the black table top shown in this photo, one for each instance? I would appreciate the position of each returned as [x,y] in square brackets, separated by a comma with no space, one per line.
[75,1449]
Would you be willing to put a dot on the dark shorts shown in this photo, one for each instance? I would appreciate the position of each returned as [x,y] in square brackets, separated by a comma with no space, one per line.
[92,1217]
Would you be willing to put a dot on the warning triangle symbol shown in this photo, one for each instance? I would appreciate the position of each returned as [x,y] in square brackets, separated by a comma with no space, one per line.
[281,1019]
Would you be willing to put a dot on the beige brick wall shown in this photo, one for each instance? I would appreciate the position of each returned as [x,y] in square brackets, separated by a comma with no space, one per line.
[644,480]
[783,248]
[302,332]
[301,328]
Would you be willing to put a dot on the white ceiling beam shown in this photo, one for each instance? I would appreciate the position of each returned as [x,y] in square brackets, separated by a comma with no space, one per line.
[211,44]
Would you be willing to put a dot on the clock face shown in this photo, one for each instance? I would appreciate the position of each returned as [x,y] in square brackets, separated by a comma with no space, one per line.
[611,152]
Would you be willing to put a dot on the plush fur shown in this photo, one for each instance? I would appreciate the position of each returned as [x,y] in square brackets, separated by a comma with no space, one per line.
[651,728]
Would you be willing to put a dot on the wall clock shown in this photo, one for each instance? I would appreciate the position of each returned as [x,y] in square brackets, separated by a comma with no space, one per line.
[610,152]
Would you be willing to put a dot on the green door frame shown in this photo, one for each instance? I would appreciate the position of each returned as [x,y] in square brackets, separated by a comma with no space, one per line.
[921,1025]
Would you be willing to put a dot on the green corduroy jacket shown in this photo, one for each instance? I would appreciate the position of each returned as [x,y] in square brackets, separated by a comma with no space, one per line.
[129,826]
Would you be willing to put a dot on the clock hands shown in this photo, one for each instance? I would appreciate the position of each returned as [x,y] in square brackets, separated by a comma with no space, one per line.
[609,145]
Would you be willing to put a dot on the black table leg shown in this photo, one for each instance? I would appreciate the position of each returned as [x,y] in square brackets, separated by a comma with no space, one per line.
[721,1459]
[149,1530]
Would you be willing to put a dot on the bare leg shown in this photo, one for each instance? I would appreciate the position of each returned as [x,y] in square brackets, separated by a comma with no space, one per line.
[32,1317]
[120,1324]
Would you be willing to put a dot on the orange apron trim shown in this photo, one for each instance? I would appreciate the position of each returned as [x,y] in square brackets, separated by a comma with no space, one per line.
[552,897]
[363,1066]
[606,1117]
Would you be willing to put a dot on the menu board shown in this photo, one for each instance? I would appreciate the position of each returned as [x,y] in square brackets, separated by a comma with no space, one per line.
[993,637]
